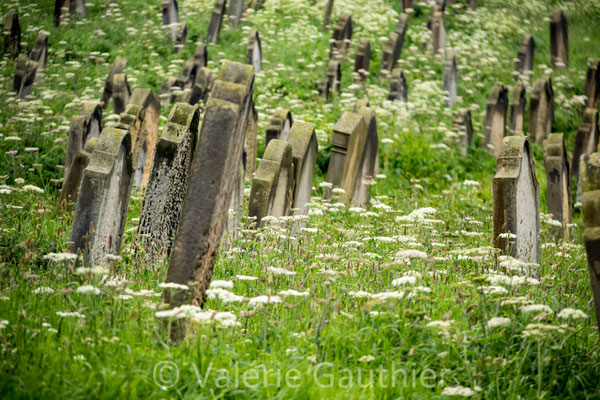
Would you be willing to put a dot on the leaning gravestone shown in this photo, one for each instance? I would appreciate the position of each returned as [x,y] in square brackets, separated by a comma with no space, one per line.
[541,109]
[84,126]
[450,77]
[64,8]
[363,58]
[279,126]
[24,78]
[592,84]
[121,93]
[590,176]
[11,34]
[73,176]
[39,53]
[305,146]
[559,40]
[212,177]
[328,10]
[556,163]
[516,201]
[342,34]
[525,57]
[272,187]
[103,199]
[179,34]
[202,86]
[168,181]
[586,142]
[188,75]
[200,56]
[215,21]
[398,86]
[170,12]
[438,31]
[463,125]
[168,88]
[517,105]
[117,68]
[235,11]
[254,51]
[250,143]
[495,118]
[393,47]
[369,160]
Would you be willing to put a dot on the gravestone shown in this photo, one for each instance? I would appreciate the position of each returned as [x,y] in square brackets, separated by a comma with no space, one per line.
[272,187]
[342,35]
[250,143]
[398,86]
[24,78]
[323,89]
[328,10]
[170,12]
[305,147]
[103,199]
[525,56]
[212,177]
[121,93]
[450,78]
[364,102]
[168,181]
[463,126]
[472,4]
[11,34]
[117,68]
[334,75]
[168,88]
[369,161]
[39,53]
[556,163]
[590,176]
[363,58]
[215,21]
[202,86]
[235,11]
[559,40]
[586,142]
[407,5]
[592,84]
[279,126]
[73,176]
[84,126]
[401,28]
[200,56]
[254,51]
[495,118]
[541,109]
[65,8]
[179,34]
[393,46]
[188,75]
[438,31]
[516,201]
[517,105]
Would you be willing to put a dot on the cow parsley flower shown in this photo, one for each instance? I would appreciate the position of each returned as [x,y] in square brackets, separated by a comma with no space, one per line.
[258,300]
[536,308]
[88,289]
[572,313]
[498,322]
[173,285]
[458,391]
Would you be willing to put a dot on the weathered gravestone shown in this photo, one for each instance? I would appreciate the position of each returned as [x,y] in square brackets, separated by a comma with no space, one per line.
[117,68]
[65,8]
[168,89]
[11,34]
[103,199]
[24,78]
[305,146]
[84,126]
[328,10]
[438,31]
[216,20]
[363,58]
[369,161]
[450,77]
[179,34]
[495,118]
[170,12]
[407,5]
[517,105]
[168,181]
[516,201]
[525,56]
[463,126]
[235,11]
[202,86]
[586,142]
[272,187]
[331,83]
[73,176]
[200,56]
[559,40]
[541,109]
[590,176]
[393,47]
[188,75]
[250,143]
[342,35]
[556,163]
[592,83]
[39,53]
[121,93]
[254,51]
[279,126]
[212,177]
[398,86]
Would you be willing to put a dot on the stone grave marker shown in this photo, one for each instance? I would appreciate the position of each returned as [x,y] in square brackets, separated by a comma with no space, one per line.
[516,201]
[592,84]
[407,5]
[517,105]
[200,56]
[559,40]
[179,34]
[39,53]
[525,56]
[332,81]
[450,78]
[117,68]
[202,86]
[363,58]
[398,86]
[495,118]
[463,125]
[364,102]
[188,75]
[121,93]
[328,10]
[254,51]
[369,161]
[24,77]
[541,109]
[11,34]
[170,12]
[63,9]
[393,47]
[235,11]
[305,147]
[279,126]
[215,21]
[168,88]
[84,126]
[169,177]
[342,35]
[250,143]
[556,163]
[103,199]
[438,31]
[73,176]
[586,142]
[323,89]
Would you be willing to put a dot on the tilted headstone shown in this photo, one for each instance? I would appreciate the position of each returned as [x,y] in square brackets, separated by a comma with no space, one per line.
[590,176]
[393,46]
[592,84]
[516,201]
[179,34]
[24,78]
[279,126]
[559,40]
[541,109]
[117,68]
[305,146]
[84,126]
[463,126]
[441,5]
[407,5]
[65,8]
[495,118]
[398,86]
[517,105]
[168,181]
[251,143]
[39,53]
[586,142]
[272,187]
[202,86]
[401,28]
[556,163]
[121,93]
[103,199]
[328,10]
[342,35]
[216,20]
[73,176]
[254,51]
[450,77]
[188,75]
[438,32]
[525,57]
[11,33]
[170,12]
[235,11]
[212,177]
[200,56]
[363,58]
[361,194]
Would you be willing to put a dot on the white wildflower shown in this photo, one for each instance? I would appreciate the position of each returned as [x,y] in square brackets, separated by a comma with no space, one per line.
[458,391]
[221,284]
[43,290]
[295,293]
[258,300]
[536,308]
[33,188]
[173,285]
[572,313]
[498,322]
[88,289]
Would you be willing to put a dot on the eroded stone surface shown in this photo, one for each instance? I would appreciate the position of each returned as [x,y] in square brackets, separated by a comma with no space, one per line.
[495,118]
[398,86]
[463,126]
[254,51]
[541,109]
[305,146]
[517,105]
[559,40]
[363,58]
[39,53]
[85,125]
[235,11]
[24,77]
[170,12]
[279,126]
[73,176]
[369,160]
[121,93]
[592,83]
[11,33]
[525,56]
[342,35]
[556,163]
[117,68]
[450,78]
[215,21]
[586,142]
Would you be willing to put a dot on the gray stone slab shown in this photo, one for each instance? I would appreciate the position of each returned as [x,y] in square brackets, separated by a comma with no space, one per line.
[254,51]
[305,146]
[592,83]
[73,176]
[363,58]
[117,68]
[495,118]
[450,78]
[463,126]
[11,34]
[216,21]
[517,106]
[398,86]
[279,126]
[170,12]
[85,125]
[342,36]
[121,93]
[556,163]
[586,142]
[525,56]
[559,40]
[39,53]
[24,77]
[541,109]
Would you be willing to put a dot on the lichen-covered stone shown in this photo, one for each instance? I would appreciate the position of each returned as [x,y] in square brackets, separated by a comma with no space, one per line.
[72,179]
[117,68]
[85,125]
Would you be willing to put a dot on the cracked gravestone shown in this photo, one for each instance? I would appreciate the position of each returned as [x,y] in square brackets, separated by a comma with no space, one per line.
[11,34]
[305,147]
[517,105]
[592,83]
[117,68]
[556,163]
[39,53]
[85,125]
[342,35]
[495,118]
[559,40]
[279,126]
[450,78]
[541,109]
[24,77]
[254,51]
[463,126]
[121,93]
[525,56]
[215,21]
[398,86]
[363,58]
[170,12]
[586,142]
[73,176]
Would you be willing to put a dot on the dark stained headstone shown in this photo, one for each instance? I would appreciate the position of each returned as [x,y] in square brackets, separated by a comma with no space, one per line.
[438,31]
[525,57]
[495,118]
[363,58]
[393,46]
[559,40]
[279,126]
[39,53]
[342,35]
[556,163]
[84,126]
[328,10]
[305,146]
[216,20]
[121,93]
[369,160]
[170,12]
[202,86]
[541,109]
[168,88]
[463,126]
[250,143]
[586,142]
[65,8]
[254,51]
[398,86]
[24,77]
[401,28]
[188,75]
[179,34]
[235,11]
[200,56]
[592,83]
[450,78]
[334,75]
[517,105]
[407,5]
[11,34]
[324,89]
[117,68]
[73,176]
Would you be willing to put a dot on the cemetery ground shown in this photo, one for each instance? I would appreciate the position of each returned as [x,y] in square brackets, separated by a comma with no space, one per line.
[406,298]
